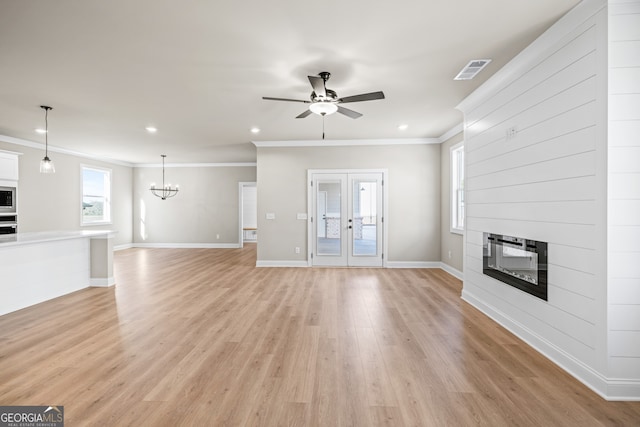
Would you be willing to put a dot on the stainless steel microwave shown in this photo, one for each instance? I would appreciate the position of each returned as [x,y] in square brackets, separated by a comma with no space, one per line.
[8,199]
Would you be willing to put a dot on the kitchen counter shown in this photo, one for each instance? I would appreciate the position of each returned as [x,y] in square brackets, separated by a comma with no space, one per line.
[40,266]
[50,236]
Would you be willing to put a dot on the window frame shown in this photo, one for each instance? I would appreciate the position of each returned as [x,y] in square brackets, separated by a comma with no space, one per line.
[107,217]
[456,187]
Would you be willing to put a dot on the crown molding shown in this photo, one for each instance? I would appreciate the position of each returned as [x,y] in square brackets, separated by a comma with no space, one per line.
[451,133]
[196,165]
[40,146]
[346,142]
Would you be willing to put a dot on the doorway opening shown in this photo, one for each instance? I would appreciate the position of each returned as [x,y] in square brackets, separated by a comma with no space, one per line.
[248,213]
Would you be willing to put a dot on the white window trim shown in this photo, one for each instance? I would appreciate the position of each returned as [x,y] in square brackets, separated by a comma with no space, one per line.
[452,196]
[109,197]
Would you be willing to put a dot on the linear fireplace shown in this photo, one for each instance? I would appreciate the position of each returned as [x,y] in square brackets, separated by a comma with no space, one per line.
[518,262]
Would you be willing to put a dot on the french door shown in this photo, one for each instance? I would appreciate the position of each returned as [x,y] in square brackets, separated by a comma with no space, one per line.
[347,219]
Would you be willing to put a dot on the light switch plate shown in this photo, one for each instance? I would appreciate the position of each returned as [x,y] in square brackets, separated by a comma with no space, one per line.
[270,215]
[302,216]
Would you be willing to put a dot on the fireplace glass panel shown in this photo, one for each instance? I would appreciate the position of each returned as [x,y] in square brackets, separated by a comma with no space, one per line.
[517,262]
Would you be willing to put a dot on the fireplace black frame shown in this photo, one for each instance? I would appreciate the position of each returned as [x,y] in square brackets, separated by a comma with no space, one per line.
[494,242]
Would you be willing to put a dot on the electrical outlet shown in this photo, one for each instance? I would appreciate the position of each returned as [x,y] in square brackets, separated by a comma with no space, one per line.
[449,254]
[297,250]
[511,132]
[218,236]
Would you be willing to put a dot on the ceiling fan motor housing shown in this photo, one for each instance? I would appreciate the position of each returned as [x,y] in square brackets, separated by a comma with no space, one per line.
[332,96]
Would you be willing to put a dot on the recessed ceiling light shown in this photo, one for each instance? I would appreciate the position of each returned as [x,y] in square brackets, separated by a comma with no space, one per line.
[40,130]
[403,126]
[255,130]
[151,129]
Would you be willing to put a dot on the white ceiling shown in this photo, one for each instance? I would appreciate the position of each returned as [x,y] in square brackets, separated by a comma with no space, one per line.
[197,69]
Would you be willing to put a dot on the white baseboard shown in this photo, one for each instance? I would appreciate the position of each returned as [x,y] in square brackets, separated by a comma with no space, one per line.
[187,245]
[623,390]
[426,264]
[609,389]
[452,271]
[413,264]
[123,247]
[282,264]
[102,282]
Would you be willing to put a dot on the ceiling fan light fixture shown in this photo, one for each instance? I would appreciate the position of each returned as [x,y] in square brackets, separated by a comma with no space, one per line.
[323,108]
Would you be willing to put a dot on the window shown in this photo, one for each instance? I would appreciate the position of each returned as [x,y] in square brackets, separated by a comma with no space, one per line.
[457,188]
[96,196]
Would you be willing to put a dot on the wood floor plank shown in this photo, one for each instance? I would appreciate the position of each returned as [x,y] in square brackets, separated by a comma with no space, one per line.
[193,337]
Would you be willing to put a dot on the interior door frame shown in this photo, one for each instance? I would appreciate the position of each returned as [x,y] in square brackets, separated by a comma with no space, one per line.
[385,207]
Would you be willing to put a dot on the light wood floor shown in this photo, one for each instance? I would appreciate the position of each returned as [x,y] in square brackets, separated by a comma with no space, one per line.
[202,338]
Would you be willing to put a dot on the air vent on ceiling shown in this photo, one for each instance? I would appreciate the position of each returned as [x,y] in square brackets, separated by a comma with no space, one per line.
[471,69]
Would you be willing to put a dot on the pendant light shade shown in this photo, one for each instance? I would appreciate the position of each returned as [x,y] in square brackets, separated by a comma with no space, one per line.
[46,165]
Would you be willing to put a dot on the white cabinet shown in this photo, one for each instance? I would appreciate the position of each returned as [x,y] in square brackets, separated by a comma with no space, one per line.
[8,166]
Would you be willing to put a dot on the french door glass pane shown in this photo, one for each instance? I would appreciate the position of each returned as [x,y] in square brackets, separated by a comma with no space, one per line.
[364,218]
[329,229]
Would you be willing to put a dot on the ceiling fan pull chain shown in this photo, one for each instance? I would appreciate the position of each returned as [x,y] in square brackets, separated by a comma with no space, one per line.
[323,126]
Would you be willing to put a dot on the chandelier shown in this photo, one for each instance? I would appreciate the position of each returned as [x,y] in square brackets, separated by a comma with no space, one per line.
[166,190]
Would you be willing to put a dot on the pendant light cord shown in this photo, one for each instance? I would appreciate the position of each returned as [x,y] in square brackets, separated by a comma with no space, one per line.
[163,156]
[324,114]
[46,132]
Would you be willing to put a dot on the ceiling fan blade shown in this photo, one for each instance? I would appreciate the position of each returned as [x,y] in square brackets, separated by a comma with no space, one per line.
[349,113]
[364,97]
[318,86]
[268,98]
[303,114]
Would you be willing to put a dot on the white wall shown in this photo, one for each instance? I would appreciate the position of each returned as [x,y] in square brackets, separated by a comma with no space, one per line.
[414,197]
[204,213]
[548,183]
[569,177]
[624,190]
[53,202]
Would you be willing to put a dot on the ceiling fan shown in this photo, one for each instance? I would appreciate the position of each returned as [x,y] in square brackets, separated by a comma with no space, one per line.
[325,101]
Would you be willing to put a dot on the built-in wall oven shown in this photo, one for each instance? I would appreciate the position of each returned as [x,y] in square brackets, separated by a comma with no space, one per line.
[8,224]
[8,205]
[7,200]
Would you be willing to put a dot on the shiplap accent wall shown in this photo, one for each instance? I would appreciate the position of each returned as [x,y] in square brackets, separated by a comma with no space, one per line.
[624,190]
[553,181]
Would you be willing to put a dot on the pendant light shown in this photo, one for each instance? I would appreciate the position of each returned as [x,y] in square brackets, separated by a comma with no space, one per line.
[166,190]
[46,165]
